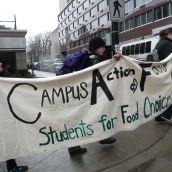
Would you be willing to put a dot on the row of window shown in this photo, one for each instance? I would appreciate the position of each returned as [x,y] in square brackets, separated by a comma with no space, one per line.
[85,28]
[91,13]
[74,5]
[131,4]
[147,17]
[87,39]
[135,49]
[129,24]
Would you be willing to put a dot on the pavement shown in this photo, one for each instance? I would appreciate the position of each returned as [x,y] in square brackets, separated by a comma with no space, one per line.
[145,149]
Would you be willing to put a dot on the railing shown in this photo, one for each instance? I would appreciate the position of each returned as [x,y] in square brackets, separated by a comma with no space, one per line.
[9,24]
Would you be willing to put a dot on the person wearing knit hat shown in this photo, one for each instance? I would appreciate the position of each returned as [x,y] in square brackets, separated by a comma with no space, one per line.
[96,43]
[97,48]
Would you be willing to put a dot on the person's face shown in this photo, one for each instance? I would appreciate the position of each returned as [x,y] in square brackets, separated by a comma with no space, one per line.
[100,51]
[169,36]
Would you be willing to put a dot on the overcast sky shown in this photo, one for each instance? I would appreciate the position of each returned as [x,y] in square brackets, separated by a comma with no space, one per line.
[35,16]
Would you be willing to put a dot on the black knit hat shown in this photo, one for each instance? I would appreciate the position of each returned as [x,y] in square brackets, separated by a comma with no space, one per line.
[96,43]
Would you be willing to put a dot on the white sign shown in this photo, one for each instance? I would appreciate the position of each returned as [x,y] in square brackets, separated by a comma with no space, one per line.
[117,8]
[81,107]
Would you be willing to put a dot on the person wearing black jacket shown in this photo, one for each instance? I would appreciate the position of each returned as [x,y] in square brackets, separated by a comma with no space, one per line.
[97,54]
[164,47]
[11,163]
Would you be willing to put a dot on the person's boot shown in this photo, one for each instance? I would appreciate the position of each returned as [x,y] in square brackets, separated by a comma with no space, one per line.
[76,150]
[109,140]
[19,169]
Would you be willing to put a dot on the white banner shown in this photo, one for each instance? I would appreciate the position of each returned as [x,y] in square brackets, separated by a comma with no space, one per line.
[81,107]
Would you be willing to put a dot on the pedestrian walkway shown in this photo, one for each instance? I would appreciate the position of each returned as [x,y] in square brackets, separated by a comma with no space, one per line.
[146,149]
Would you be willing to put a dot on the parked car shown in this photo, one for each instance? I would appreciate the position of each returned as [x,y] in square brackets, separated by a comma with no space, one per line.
[55,67]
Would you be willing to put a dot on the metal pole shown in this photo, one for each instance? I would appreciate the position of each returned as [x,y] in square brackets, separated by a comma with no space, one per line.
[115,34]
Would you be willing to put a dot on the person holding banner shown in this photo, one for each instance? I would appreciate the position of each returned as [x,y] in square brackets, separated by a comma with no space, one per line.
[11,164]
[96,55]
[164,47]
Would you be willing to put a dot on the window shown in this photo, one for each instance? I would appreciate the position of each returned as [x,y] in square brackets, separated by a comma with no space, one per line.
[158,13]
[124,50]
[127,25]
[142,48]
[122,26]
[75,34]
[82,30]
[74,4]
[103,19]
[165,9]
[72,45]
[94,24]
[149,17]
[102,33]
[62,15]
[81,19]
[131,23]
[138,3]
[129,6]
[70,18]
[75,24]
[102,5]
[171,8]
[148,47]
[88,27]
[80,9]
[138,21]
[75,14]
[70,8]
[66,21]
[143,18]
[87,16]
[128,50]
[137,49]
[71,27]
[86,4]
[132,49]
[94,11]
[82,41]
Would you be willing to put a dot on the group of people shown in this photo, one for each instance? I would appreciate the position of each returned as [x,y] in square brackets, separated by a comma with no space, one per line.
[96,55]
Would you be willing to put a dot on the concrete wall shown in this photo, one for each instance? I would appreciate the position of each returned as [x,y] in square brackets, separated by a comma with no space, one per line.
[12,43]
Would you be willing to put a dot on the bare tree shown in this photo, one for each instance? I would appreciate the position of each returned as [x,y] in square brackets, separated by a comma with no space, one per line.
[39,47]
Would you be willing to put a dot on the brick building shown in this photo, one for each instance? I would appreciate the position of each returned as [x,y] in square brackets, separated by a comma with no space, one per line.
[82,20]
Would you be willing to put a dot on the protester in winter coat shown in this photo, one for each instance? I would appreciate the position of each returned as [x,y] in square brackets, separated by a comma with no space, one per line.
[96,55]
[11,164]
[164,47]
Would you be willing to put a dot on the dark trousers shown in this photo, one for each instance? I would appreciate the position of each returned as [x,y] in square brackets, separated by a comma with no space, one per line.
[73,149]
[11,163]
[168,113]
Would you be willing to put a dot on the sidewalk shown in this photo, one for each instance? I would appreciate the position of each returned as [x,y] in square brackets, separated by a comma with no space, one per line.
[146,149]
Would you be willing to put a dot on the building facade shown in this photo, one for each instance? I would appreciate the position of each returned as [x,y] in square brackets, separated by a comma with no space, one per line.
[146,18]
[12,47]
[82,20]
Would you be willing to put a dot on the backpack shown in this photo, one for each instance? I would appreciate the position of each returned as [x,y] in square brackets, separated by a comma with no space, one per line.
[153,56]
[75,62]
